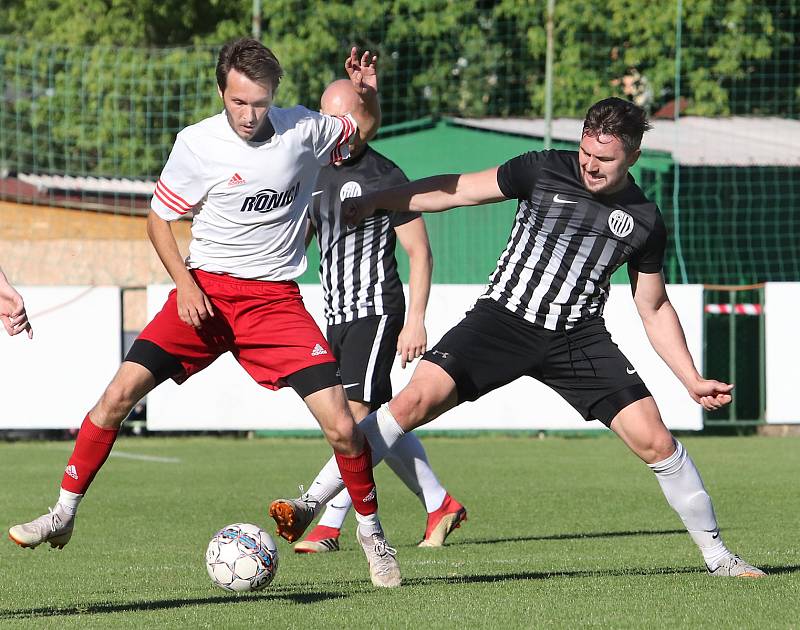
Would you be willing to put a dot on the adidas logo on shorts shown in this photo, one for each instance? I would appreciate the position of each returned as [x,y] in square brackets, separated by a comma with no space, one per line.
[318,350]
[72,471]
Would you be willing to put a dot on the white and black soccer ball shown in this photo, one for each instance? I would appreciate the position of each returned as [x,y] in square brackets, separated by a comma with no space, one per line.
[242,557]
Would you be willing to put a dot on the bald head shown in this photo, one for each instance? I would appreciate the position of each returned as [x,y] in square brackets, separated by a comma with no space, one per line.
[339,98]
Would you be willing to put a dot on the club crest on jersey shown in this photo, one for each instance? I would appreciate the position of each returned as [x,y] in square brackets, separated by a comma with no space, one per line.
[621,223]
[350,189]
[268,199]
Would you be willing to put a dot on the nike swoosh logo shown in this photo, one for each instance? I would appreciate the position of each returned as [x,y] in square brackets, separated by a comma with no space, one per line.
[316,192]
[630,371]
[349,385]
[558,199]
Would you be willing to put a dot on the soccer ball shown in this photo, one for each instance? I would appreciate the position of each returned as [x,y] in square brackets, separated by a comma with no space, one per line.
[242,557]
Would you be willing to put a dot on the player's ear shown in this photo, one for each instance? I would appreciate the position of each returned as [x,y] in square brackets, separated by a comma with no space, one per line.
[219,91]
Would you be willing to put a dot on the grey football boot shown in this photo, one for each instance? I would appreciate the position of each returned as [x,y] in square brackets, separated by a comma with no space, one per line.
[293,516]
[54,527]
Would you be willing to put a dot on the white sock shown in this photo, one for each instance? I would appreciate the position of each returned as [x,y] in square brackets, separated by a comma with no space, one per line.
[336,510]
[683,488]
[409,461]
[327,484]
[69,501]
[382,432]
[368,523]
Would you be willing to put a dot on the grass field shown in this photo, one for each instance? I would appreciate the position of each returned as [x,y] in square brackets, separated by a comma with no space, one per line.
[561,533]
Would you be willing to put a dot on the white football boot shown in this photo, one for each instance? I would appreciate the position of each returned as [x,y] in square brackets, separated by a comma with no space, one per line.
[383,567]
[54,527]
[734,566]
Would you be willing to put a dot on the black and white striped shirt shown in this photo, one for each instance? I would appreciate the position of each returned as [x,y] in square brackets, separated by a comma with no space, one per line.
[357,267]
[566,243]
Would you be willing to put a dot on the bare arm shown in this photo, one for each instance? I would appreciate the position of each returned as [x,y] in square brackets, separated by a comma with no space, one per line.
[364,76]
[194,307]
[432,194]
[413,339]
[665,333]
[12,309]
[309,232]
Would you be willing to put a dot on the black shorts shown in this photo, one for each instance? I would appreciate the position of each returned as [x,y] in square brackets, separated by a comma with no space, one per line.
[365,349]
[492,347]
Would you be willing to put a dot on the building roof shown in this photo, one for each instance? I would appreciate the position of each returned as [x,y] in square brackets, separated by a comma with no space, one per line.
[121,186]
[692,141]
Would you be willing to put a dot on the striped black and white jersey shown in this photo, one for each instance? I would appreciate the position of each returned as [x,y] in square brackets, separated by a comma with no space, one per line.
[357,267]
[566,242]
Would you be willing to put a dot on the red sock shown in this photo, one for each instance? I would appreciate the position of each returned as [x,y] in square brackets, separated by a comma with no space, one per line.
[357,476]
[92,447]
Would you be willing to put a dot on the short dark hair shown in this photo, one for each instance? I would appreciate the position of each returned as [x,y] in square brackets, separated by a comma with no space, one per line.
[250,57]
[619,118]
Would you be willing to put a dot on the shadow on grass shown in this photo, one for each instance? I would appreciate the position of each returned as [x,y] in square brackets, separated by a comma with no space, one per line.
[161,604]
[778,570]
[578,536]
[547,575]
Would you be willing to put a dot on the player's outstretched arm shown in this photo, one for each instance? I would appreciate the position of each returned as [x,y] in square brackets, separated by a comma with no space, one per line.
[665,333]
[194,307]
[12,309]
[363,73]
[413,339]
[432,194]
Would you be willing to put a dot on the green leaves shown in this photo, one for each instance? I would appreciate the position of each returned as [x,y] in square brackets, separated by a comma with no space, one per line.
[92,88]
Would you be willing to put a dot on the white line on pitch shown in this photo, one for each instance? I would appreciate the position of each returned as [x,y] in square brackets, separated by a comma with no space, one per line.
[146,458]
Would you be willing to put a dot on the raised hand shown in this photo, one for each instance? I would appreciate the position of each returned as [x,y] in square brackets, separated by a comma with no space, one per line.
[363,72]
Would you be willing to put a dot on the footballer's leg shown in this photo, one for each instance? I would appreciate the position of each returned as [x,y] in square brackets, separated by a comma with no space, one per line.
[409,461]
[640,426]
[324,538]
[430,393]
[92,446]
[354,461]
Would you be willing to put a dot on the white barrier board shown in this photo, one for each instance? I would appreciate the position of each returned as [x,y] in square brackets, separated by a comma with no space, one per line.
[52,380]
[224,397]
[781,302]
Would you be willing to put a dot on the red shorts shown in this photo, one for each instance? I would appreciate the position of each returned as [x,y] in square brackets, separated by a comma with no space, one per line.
[263,324]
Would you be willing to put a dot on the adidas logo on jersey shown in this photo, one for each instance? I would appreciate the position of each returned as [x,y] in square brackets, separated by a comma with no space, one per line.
[72,471]
[318,350]
[236,180]
[370,496]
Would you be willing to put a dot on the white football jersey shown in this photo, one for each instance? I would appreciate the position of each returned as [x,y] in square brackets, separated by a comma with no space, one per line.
[249,199]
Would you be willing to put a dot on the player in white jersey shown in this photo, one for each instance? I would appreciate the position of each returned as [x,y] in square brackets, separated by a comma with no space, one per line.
[12,309]
[247,175]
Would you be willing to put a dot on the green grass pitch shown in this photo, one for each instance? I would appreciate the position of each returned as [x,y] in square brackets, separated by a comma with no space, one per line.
[561,533]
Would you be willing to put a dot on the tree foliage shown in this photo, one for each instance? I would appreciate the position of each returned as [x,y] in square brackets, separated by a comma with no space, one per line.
[102,86]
